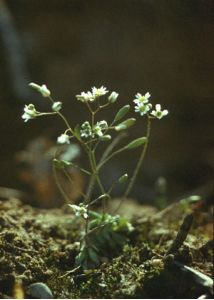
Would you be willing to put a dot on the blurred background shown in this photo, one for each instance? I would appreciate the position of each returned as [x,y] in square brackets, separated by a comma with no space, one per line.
[129,46]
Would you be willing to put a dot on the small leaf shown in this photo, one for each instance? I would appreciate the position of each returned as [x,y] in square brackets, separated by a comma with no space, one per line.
[94,223]
[136,143]
[125,124]
[122,112]
[77,131]
[123,178]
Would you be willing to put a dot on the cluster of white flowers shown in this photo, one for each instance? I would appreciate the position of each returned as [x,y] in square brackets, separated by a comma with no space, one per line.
[80,210]
[144,107]
[29,112]
[142,103]
[87,131]
[93,95]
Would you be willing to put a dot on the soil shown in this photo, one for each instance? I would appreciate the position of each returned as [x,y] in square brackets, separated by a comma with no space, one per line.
[39,246]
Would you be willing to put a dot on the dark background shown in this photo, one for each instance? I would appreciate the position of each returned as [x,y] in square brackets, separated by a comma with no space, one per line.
[162,46]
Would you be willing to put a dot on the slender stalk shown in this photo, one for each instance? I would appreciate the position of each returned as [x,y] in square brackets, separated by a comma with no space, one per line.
[112,145]
[92,178]
[100,197]
[81,169]
[72,182]
[47,114]
[99,181]
[139,163]
[59,185]
[67,124]
[110,156]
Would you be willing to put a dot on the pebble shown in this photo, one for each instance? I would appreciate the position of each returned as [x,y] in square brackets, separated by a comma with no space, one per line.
[40,290]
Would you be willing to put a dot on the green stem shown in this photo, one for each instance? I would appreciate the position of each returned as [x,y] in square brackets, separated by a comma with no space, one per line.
[67,200]
[140,161]
[110,156]
[112,145]
[72,182]
[81,169]
[68,125]
[99,181]
[92,179]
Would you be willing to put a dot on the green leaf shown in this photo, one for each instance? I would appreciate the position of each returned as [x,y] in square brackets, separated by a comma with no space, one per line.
[94,214]
[93,256]
[77,131]
[136,143]
[125,124]
[121,113]
[119,239]
[94,223]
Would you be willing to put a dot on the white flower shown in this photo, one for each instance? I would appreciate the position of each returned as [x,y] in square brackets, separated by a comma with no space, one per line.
[140,99]
[41,89]
[158,113]
[143,109]
[86,130]
[57,106]
[91,96]
[97,92]
[99,127]
[29,112]
[80,210]
[113,97]
[63,139]
[85,97]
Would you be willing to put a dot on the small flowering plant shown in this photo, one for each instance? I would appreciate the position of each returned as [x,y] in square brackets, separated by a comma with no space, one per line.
[104,233]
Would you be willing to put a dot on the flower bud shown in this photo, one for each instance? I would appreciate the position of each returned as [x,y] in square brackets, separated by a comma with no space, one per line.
[57,106]
[45,91]
[63,139]
[42,89]
[123,178]
[113,97]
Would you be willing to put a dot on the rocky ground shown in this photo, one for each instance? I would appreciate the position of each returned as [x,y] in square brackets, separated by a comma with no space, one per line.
[38,248]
